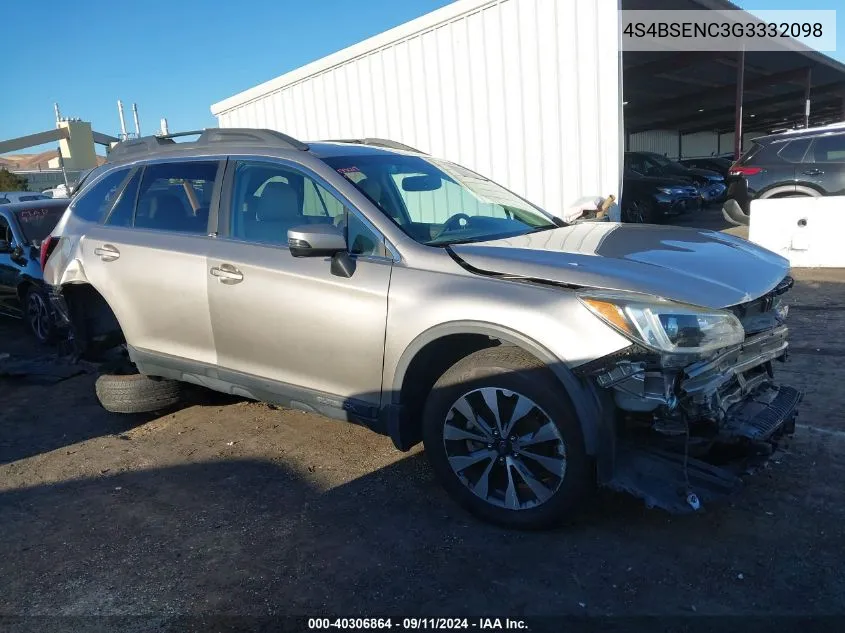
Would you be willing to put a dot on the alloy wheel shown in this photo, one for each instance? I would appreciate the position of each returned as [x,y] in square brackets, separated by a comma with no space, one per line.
[635,213]
[504,448]
[38,316]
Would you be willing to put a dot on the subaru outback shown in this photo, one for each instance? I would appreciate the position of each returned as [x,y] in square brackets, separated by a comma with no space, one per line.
[367,281]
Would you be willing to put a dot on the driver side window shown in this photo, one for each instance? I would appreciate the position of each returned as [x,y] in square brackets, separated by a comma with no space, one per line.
[268,200]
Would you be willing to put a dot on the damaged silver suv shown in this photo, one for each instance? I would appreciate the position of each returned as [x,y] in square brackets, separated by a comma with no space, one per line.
[367,281]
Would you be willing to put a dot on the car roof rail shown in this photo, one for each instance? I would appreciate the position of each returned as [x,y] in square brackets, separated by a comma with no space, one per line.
[209,136]
[377,142]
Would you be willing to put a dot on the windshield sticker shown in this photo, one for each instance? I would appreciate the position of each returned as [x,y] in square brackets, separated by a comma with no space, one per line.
[31,215]
[348,170]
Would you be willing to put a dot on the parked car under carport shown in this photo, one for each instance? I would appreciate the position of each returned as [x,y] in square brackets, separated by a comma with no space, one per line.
[650,199]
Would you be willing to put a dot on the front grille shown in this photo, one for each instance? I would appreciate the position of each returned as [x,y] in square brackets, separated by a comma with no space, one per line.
[758,418]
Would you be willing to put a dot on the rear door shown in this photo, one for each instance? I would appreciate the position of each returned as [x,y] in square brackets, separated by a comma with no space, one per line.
[285,324]
[147,257]
[827,167]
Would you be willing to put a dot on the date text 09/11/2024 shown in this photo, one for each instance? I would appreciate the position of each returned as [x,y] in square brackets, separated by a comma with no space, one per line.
[412,624]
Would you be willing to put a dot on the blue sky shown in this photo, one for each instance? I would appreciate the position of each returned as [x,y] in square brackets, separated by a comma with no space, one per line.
[175,58]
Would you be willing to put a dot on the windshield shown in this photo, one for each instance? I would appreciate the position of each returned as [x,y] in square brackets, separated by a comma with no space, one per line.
[438,203]
[37,224]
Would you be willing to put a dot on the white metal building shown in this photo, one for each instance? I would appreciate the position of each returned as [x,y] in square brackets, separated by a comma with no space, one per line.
[526,92]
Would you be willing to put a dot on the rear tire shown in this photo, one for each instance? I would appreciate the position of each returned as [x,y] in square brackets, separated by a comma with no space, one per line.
[136,393]
[533,471]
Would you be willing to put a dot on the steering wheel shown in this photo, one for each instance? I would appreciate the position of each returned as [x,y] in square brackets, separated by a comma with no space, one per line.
[456,222]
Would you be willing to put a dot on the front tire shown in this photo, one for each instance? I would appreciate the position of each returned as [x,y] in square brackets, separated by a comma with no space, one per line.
[504,440]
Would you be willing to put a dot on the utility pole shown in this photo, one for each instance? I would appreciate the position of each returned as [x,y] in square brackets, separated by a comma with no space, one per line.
[740,81]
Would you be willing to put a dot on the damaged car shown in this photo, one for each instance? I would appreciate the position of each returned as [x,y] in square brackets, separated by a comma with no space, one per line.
[369,282]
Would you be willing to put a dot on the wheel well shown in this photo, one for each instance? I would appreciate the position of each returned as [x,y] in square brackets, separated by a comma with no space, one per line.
[427,366]
[93,323]
[23,287]
[790,194]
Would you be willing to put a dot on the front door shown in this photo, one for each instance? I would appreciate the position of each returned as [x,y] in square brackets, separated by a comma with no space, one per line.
[827,170]
[287,324]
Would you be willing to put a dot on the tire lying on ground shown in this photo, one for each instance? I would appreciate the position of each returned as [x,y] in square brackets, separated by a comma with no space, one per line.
[136,393]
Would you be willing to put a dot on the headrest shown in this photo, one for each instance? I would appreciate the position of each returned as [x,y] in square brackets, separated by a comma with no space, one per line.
[278,201]
[161,204]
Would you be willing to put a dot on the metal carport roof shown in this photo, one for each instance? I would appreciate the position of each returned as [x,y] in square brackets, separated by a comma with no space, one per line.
[696,91]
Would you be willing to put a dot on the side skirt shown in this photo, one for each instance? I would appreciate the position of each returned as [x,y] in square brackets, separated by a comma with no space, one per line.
[257,388]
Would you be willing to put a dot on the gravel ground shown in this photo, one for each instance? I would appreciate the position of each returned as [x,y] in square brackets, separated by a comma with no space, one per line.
[238,508]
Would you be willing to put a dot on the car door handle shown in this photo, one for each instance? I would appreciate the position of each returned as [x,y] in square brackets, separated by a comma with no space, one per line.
[813,172]
[227,274]
[107,252]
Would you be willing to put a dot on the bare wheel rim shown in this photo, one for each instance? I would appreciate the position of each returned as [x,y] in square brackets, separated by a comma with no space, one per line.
[636,212]
[38,316]
[503,447]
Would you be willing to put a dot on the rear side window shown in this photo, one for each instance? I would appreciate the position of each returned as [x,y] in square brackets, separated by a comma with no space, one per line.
[793,151]
[176,197]
[124,208]
[95,202]
[829,149]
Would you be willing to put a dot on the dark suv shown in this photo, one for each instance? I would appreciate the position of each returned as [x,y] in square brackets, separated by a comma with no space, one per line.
[792,164]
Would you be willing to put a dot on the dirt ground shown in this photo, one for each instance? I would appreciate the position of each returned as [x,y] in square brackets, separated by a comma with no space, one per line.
[234,507]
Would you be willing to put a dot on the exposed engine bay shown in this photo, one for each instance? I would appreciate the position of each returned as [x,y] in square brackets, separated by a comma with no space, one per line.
[688,427]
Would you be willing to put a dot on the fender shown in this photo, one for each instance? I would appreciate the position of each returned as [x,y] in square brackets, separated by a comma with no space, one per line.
[583,396]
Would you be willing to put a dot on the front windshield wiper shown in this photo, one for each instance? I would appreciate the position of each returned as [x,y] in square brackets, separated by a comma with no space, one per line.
[490,238]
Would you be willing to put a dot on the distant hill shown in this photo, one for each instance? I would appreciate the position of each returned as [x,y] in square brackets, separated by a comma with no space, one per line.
[14,162]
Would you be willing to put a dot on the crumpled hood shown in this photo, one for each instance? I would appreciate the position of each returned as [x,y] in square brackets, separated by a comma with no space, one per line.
[699,267]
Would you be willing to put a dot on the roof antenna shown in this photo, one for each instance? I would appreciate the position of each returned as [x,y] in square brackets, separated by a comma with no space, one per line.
[137,123]
[123,135]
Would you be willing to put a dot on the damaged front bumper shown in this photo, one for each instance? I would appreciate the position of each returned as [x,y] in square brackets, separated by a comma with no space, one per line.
[686,429]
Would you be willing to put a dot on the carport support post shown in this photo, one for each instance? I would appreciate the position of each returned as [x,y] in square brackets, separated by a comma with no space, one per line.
[807,97]
[740,80]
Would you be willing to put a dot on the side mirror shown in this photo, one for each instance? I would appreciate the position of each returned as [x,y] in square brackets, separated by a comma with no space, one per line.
[5,247]
[316,240]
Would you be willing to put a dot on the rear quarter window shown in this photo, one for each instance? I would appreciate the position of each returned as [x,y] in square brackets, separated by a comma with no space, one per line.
[794,151]
[93,204]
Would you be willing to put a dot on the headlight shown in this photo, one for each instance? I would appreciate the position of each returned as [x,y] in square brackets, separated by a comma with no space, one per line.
[666,326]
[665,190]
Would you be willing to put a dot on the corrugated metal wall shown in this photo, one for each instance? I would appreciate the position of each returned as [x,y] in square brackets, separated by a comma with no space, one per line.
[659,141]
[692,145]
[525,92]
[700,144]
